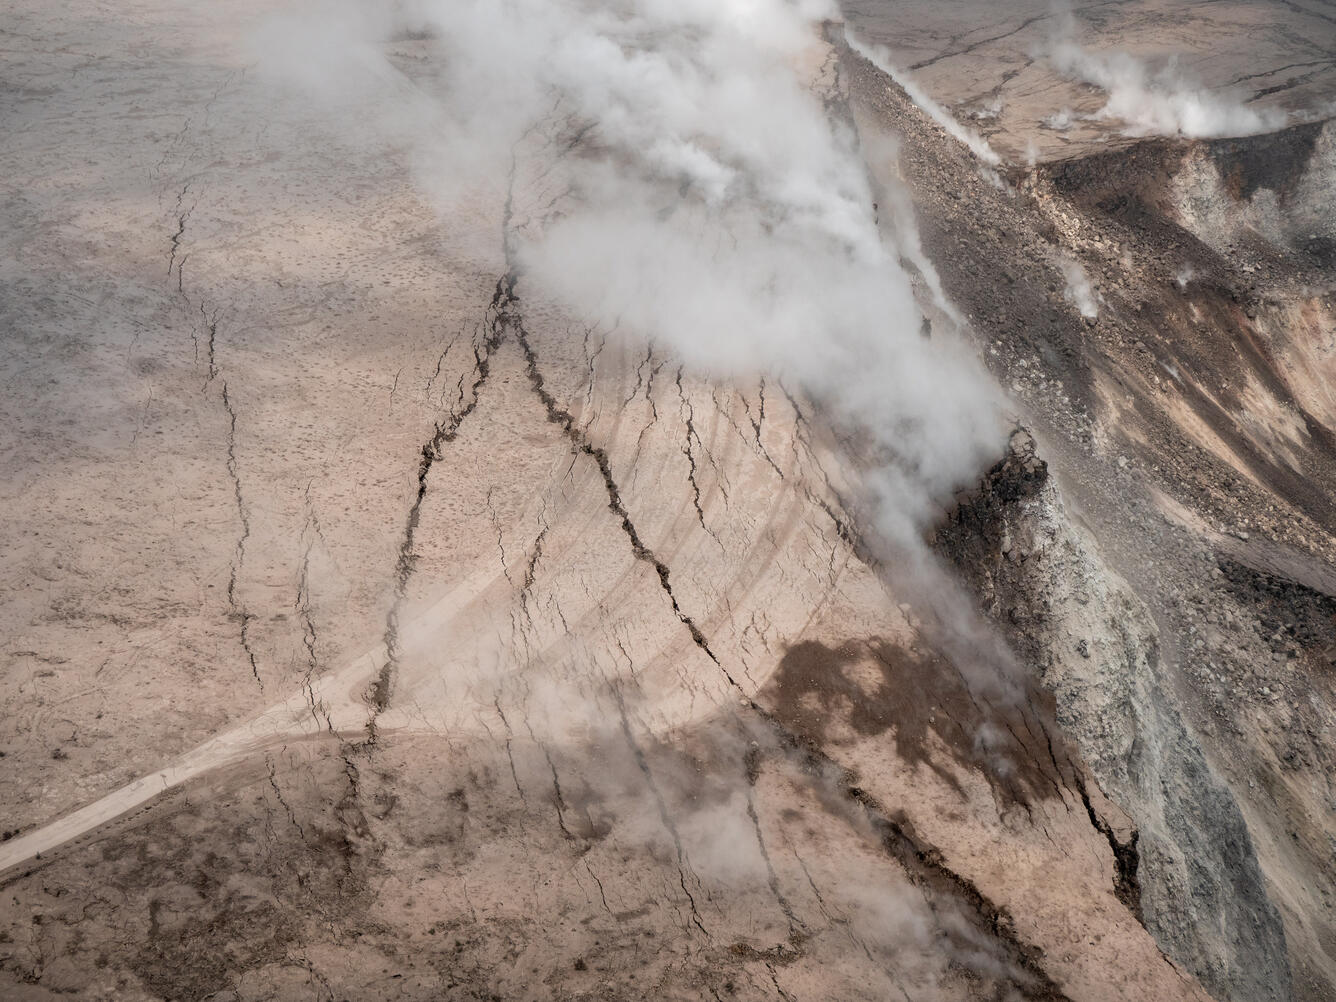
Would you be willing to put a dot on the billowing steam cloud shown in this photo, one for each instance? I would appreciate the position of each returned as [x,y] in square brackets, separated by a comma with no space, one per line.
[718,207]
[707,200]
[1160,100]
[880,57]
[1079,291]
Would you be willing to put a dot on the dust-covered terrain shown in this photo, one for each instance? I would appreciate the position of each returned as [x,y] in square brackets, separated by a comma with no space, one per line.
[689,501]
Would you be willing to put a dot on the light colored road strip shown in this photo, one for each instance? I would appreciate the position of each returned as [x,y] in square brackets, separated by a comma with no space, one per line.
[339,692]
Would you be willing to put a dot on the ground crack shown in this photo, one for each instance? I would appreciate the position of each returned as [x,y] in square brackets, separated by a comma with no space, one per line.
[311,533]
[643,763]
[563,418]
[690,453]
[239,610]
[182,217]
[444,433]
[273,783]
[211,329]
[756,423]
[797,929]
[1126,857]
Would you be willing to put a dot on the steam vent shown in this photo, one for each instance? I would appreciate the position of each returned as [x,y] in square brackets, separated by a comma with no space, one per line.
[612,500]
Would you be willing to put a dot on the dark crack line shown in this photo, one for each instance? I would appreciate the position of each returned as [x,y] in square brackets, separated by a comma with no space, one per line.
[440,363]
[348,811]
[756,423]
[996,90]
[324,993]
[1299,9]
[1058,780]
[689,452]
[649,385]
[1279,69]
[640,376]
[643,763]
[531,567]
[630,664]
[514,775]
[238,609]
[310,534]
[210,328]
[444,433]
[845,528]
[142,423]
[797,928]
[923,864]
[972,46]
[774,979]
[843,923]
[591,359]
[727,414]
[182,217]
[653,412]
[177,139]
[558,798]
[1126,857]
[1290,84]
[273,783]
[561,417]
[536,554]
[602,896]
[500,540]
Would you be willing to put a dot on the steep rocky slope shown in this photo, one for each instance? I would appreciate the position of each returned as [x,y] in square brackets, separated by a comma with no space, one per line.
[548,667]
[1170,576]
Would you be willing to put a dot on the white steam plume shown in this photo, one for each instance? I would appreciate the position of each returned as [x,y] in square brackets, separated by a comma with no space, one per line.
[709,201]
[680,177]
[1160,101]
[880,57]
[1079,291]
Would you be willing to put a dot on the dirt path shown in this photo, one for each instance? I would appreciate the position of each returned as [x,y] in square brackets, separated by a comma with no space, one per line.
[333,703]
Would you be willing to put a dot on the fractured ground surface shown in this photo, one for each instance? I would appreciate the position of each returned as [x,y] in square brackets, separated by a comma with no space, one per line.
[993,65]
[374,629]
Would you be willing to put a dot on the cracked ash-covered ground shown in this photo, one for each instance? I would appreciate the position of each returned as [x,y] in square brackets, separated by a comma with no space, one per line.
[374,630]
